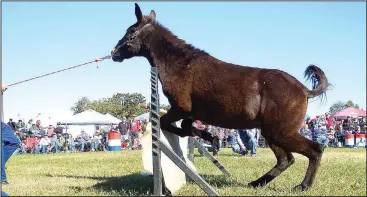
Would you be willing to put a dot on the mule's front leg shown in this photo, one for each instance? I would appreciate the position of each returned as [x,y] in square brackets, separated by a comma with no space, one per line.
[167,120]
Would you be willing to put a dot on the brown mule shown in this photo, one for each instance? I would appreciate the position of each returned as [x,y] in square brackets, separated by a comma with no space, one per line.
[201,87]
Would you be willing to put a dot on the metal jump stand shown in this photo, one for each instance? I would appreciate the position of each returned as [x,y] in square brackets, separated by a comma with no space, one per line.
[158,146]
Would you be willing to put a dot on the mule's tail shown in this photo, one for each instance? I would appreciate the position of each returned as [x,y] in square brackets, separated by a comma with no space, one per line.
[320,83]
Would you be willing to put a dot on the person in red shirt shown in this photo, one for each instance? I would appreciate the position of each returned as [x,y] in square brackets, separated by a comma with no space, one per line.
[135,129]
[329,121]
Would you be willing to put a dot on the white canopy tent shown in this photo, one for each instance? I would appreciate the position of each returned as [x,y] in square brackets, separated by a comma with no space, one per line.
[87,121]
[88,117]
[143,117]
[113,119]
[45,120]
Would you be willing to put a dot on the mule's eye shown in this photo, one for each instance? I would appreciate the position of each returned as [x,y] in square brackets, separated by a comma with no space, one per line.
[131,30]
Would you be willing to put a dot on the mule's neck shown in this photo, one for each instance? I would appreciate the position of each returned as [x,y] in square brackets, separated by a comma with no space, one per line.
[169,53]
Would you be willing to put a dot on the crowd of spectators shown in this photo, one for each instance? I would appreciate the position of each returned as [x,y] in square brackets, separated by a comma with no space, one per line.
[37,139]
[329,131]
[324,129]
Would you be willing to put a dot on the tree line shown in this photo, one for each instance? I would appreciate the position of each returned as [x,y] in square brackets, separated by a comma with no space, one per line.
[340,105]
[119,105]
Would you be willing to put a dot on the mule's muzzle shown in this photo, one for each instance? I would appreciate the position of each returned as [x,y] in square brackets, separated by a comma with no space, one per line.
[115,54]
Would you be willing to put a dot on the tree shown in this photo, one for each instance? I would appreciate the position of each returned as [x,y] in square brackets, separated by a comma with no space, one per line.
[80,105]
[338,106]
[351,104]
[119,105]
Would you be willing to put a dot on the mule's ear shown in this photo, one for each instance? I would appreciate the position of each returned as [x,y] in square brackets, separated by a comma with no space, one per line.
[138,13]
[152,15]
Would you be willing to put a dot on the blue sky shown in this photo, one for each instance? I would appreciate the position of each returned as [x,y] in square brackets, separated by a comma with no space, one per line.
[39,37]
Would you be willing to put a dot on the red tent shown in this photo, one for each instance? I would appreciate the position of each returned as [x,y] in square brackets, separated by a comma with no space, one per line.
[350,111]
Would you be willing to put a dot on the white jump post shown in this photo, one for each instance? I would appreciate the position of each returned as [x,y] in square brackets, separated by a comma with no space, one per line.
[159,144]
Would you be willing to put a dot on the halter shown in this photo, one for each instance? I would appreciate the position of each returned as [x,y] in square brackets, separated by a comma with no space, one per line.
[130,39]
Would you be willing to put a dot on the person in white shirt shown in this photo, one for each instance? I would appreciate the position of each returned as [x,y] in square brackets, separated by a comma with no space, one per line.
[96,141]
[44,143]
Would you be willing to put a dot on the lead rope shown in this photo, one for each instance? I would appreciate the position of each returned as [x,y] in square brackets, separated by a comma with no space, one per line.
[44,75]
[65,69]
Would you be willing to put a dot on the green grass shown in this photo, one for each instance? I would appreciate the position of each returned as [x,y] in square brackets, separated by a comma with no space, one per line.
[342,173]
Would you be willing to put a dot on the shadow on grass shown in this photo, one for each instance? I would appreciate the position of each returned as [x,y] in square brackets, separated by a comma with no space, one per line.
[220,181]
[223,155]
[133,184]
[136,184]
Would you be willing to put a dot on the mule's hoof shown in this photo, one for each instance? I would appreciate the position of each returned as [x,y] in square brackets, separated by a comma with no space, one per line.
[300,188]
[254,184]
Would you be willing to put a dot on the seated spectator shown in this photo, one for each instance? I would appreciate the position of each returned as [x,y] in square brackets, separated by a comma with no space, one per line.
[55,144]
[305,132]
[82,139]
[33,130]
[362,123]
[125,145]
[20,124]
[23,148]
[62,142]
[231,137]
[135,144]
[44,143]
[70,143]
[331,135]
[250,138]
[349,130]
[357,130]
[96,141]
[321,136]
[235,141]
[59,129]
[12,124]
[42,132]
[37,145]
[363,131]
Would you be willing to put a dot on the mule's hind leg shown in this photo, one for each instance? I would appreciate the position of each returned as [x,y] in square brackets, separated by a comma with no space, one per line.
[313,151]
[284,160]
[295,142]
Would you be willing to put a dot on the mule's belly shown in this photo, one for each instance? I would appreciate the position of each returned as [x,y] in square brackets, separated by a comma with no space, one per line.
[221,117]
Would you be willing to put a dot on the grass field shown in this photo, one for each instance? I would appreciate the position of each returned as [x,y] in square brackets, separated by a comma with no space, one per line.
[342,173]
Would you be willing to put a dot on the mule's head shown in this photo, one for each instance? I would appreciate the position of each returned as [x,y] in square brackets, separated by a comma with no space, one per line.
[134,42]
